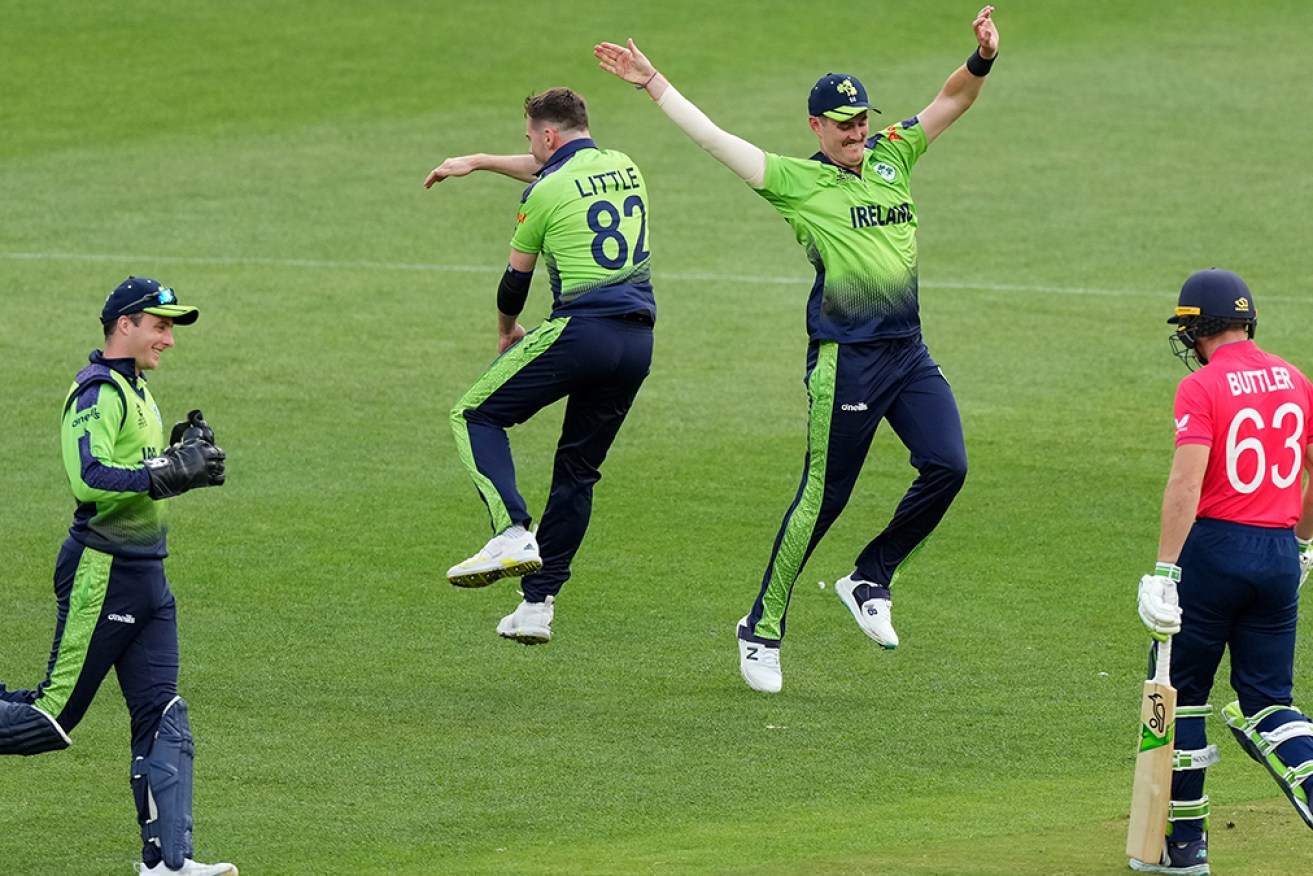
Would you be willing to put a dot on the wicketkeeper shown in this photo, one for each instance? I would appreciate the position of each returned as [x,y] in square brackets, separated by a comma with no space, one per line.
[1233,551]
[115,609]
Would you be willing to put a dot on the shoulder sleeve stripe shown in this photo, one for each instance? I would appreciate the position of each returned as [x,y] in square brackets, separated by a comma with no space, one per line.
[89,377]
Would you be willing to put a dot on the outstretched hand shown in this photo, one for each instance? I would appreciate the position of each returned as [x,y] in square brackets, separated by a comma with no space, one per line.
[986,33]
[626,62]
[458,166]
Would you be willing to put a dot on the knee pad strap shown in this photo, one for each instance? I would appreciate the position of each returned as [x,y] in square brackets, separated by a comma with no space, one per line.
[1189,810]
[1183,712]
[1195,759]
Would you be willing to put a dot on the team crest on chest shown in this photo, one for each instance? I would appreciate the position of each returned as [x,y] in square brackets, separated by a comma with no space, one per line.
[886,172]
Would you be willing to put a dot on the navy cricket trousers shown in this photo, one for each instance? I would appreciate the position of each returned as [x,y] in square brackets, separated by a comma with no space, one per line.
[1239,590]
[597,364]
[113,613]
[852,387]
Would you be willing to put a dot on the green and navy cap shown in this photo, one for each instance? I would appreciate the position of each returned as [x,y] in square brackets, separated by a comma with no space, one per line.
[838,96]
[144,295]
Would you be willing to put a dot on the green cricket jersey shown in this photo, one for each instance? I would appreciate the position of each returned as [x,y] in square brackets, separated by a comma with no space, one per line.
[859,233]
[111,426]
[586,214]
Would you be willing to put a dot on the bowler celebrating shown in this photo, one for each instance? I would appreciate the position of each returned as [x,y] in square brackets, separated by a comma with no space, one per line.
[851,209]
[585,213]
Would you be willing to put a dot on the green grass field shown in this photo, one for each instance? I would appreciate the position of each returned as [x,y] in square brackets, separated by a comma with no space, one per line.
[355,714]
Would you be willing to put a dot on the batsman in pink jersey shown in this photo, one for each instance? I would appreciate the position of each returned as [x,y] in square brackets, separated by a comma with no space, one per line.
[1233,550]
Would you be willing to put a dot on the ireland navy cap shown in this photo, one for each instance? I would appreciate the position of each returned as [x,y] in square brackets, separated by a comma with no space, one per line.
[142,294]
[1216,293]
[838,96]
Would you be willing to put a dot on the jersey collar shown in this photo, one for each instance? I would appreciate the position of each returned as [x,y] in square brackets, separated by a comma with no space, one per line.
[126,366]
[825,159]
[560,155]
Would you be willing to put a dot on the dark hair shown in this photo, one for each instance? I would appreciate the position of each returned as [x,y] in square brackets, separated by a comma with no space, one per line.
[113,323]
[561,106]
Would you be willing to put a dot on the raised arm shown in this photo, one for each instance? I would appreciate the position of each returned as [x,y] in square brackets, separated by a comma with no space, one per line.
[521,167]
[632,66]
[963,87]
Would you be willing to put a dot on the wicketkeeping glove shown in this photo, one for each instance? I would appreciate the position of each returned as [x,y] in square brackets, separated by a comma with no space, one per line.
[192,427]
[1160,608]
[1305,558]
[186,466]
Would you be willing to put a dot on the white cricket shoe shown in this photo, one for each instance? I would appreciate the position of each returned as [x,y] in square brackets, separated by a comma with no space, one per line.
[759,664]
[189,868]
[530,623]
[874,616]
[509,554]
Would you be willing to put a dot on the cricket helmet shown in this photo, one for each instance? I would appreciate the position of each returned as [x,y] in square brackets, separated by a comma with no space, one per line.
[1209,302]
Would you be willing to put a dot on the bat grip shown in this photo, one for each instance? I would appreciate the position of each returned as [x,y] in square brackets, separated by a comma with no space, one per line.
[1162,664]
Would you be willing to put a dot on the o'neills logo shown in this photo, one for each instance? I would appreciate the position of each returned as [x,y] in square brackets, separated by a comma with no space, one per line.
[121,618]
[860,406]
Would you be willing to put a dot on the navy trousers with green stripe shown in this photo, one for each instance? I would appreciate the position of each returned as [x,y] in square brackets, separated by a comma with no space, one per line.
[851,388]
[112,613]
[597,364]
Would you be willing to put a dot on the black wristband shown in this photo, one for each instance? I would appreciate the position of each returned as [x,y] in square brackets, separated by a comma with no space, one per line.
[512,291]
[978,66]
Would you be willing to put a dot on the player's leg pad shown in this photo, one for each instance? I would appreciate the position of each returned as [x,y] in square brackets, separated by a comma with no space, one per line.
[167,774]
[28,730]
[1264,737]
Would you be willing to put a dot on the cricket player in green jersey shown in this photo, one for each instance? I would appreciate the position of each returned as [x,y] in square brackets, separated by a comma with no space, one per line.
[851,209]
[585,214]
[115,609]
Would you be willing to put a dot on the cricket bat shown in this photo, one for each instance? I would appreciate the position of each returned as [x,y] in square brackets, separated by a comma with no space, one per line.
[1153,764]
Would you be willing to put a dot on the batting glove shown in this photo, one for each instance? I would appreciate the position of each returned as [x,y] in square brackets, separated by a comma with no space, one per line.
[1305,558]
[1160,608]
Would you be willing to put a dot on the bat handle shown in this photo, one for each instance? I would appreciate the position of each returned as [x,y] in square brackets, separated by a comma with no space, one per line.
[1162,667]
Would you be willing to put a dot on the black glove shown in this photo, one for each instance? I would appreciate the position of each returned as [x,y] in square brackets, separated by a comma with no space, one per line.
[184,467]
[192,427]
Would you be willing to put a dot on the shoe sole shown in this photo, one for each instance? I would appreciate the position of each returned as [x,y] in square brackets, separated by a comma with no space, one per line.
[528,638]
[765,690]
[1192,870]
[856,611]
[471,580]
